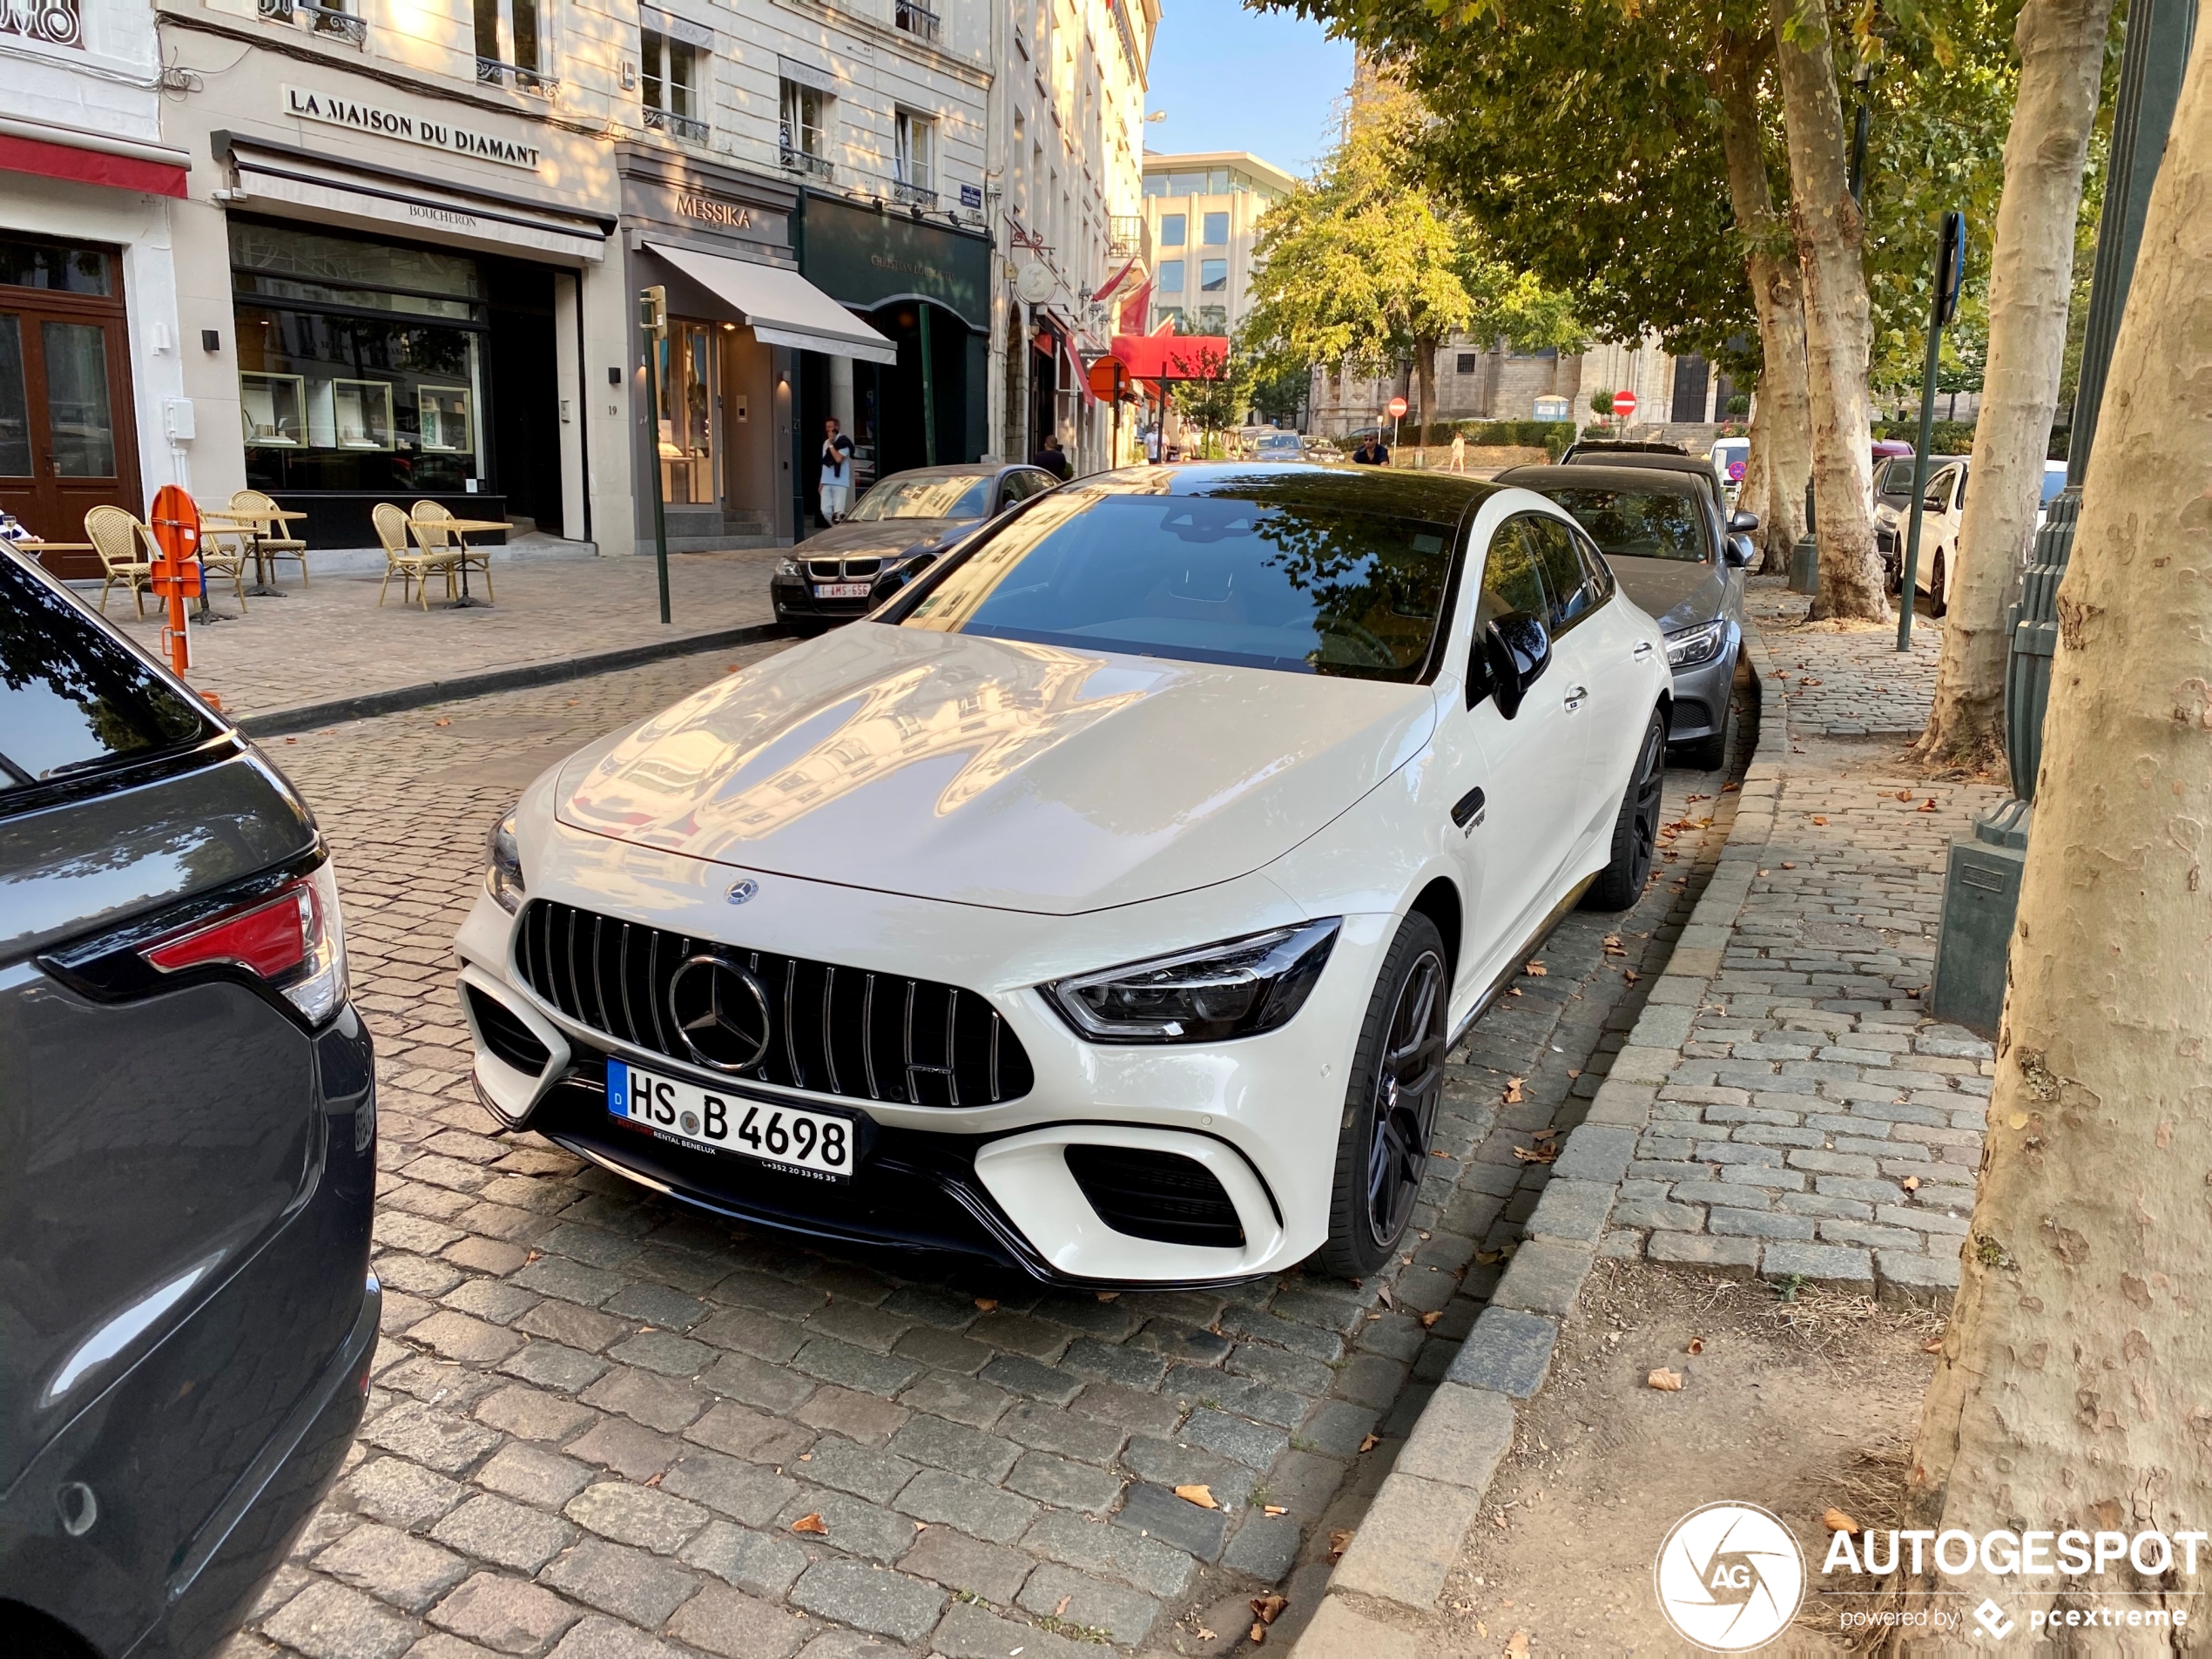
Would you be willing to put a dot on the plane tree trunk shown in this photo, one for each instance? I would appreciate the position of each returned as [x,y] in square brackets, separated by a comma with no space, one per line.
[1781,453]
[1839,320]
[2031,279]
[2070,1390]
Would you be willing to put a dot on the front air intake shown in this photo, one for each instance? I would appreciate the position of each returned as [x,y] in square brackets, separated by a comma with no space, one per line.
[504,1034]
[1161,1195]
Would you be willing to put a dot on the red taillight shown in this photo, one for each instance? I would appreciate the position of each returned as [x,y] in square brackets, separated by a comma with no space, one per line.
[271,939]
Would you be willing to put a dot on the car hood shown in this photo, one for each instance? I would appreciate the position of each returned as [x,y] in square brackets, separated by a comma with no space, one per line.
[1674,592]
[994,772]
[887,536]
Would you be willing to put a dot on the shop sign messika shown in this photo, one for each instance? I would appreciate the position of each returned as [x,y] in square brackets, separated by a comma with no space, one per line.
[352,114]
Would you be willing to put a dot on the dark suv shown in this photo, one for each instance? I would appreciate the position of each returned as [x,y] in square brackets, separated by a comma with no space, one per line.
[187,1151]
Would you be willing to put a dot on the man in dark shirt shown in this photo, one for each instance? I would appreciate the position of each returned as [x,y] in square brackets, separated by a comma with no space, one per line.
[1052,457]
[1372,453]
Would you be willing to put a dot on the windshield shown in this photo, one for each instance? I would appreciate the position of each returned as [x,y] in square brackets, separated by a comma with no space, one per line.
[71,699]
[961,495]
[1897,478]
[1307,578]
[1637,524]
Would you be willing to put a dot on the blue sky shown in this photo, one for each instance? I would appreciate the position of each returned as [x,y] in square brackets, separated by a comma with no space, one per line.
[1233,79]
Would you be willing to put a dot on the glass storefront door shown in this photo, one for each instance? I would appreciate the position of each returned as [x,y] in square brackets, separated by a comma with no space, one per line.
[688,386]
[66,443]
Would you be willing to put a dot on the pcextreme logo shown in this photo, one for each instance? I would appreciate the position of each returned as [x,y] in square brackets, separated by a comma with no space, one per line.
[1730,1577]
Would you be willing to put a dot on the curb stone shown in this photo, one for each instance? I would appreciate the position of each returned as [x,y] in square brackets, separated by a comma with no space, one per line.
[399,698]
[1410,1538]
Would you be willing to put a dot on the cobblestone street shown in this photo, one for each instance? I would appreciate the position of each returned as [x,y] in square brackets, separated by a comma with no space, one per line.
[602,1425]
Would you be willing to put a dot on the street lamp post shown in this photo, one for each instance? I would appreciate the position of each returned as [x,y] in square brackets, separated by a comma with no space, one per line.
[652,319]
[1981,892]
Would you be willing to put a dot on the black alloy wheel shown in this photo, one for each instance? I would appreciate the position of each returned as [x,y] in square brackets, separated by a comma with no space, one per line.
[1390,1105]
[1636,833]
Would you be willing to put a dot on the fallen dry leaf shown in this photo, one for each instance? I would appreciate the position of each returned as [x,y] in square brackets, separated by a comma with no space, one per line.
[1339,1541]
[1730,789]
[1544,1134]
[810,1523]
[1202,1496]
[1536,1154]
[1697,1345]
[1259,1634]
[1807,682]
[1817,819]
[1910,1184]
[1431,1318]
[1836,1520]
[988,1304]
[1273,1509]
[1513,1090]
[1536,970]
[1517,1645]
[1787,865]
[1933,1345]
[1205,1634]
[1268,1608]
[1383,1296]
[1905,794]
[656,1479]
[441,723]
[1370,1441]
[1928,806]
[1630,974]
[1061,1611]
[1666,1381]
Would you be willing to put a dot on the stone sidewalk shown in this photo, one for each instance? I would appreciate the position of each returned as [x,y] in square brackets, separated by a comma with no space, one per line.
[331,641]
[600,1422]
[1807,1119]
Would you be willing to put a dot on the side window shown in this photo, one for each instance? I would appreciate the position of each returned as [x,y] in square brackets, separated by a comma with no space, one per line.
[1512,578]
[1013,488]
[1598,573]
[1572,593]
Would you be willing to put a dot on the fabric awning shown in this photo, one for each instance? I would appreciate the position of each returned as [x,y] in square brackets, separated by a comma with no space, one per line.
[783,307]
[56,151]
[332,192]
[1173,357]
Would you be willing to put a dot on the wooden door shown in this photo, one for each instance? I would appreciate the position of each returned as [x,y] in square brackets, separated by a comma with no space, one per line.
[68,438]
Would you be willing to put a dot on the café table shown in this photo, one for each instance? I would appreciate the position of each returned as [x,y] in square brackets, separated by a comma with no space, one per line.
[459,530]
[256,525]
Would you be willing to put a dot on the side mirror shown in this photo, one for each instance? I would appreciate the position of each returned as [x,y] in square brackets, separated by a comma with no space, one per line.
[1738,553]
[1740,521]
[1515,651]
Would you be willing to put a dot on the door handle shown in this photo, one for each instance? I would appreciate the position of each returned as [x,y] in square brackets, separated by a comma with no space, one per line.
[1576,695]
[1465,809]
[1642,650]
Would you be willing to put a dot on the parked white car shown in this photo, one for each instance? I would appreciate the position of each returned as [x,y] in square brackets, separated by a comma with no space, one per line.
[1103,904]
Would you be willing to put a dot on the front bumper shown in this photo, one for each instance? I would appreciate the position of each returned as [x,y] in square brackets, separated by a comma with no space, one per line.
[1260,1115]
[793,597]
[1701,694]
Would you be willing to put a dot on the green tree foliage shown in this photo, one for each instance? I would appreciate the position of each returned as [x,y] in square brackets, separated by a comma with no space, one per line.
[1364,267]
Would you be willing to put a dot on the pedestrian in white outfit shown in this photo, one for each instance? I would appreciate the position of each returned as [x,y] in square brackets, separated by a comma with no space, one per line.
[1459,452]
[836,471]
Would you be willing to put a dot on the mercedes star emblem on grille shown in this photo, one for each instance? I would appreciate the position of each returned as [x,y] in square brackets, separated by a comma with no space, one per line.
[742,890]
[721,1012]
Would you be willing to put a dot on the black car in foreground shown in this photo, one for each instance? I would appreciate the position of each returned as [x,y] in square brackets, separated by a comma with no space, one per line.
[187,1152]
[905,520]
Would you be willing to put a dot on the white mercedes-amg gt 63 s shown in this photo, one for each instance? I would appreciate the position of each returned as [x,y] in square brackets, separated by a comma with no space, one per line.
[1105,902]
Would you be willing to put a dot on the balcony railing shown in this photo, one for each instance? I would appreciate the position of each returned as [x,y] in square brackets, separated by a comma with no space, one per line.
[913,195]
[491,72]
[916,20]
[813,167]
[318,19]
[1128,237]
[681,127]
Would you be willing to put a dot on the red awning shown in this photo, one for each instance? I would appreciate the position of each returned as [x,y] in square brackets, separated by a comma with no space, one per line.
[88,166]
[1173,357]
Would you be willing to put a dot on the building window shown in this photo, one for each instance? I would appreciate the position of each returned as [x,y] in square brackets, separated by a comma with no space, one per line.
[509,48]
[805,136]
[917,20]
[1213,276]
[1170,276]
[326,17]
[670,71]
[1163,314]
[914,162]
[1171,230]
[1209,319]
[1217,229]
[1156,184]
[1470,362]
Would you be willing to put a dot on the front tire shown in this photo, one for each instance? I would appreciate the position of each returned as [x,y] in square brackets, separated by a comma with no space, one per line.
[1636,833]
[1389,1102]
[1938,603]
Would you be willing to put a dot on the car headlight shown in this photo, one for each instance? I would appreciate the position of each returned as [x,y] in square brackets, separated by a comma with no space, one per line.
[503,865]
[788,566]
[1695,646]
[1236,988]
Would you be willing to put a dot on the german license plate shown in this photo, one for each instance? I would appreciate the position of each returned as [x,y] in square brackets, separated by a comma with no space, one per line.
[841,590]
[819,1144]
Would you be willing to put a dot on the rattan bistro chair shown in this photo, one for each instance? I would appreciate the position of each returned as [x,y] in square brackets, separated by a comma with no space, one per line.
[464,556]
[413,564]
[277,543]
[114,536]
